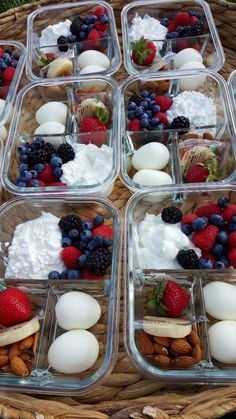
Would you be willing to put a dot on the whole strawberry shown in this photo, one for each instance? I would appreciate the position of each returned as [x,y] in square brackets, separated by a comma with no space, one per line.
[93,125]
[15,307]
[143,52]
[169,299]
[205,239]
[197,173]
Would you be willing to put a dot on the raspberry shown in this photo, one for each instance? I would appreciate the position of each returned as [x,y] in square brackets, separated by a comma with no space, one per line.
[208,210]
[1,52]
[104,231]
[164,102]
[101,26]
[163,118]
[232,239]
[208,255]
[206,238]
[47,175]
[94,37]
[193,19]
[8,74]
[134,125]
[70,256]
[99,10]
[187,219]
[181,19]
[171,27]
[88,275]
[228,212]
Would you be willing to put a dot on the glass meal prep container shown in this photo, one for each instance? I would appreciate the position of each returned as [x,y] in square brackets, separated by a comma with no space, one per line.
[38,61]
[232,88]
[44,295]
[208,43]
[83,99]
[209,140]
[141,283]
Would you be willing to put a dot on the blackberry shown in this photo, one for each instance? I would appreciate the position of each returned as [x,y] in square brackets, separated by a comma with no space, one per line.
[62,43]
[136,99]
[180,122]
[188,259]
[37,156]
[99,261]
[70,222]
[171,215]
[75,27]
[48,150]
[196,29]
[66,152]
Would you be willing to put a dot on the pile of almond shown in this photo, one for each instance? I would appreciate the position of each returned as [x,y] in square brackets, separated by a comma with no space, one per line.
[171,352]
[18,358]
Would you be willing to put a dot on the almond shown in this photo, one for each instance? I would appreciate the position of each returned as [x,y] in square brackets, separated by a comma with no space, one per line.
[208,136]
[145,343]
[14,350]
[162,340]
[197,353]
[188,136]
[3,360]
[193,339]
[160,349]
[183,361]
[35,342]
[6,368]
[25,356]
[3,351]
[19,367]
[162,360]
[181,347]
[26,343]
[29,364]
[163,86]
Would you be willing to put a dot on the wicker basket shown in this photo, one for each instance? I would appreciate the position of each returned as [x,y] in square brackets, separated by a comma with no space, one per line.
[125,391]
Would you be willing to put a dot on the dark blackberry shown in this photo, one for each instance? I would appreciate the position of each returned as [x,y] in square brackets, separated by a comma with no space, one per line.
[180,122]
[171,215]
[62,43]
[75,26]
[195,13]
[196,29]
[48,150]
[66,152]
[68,222]
[136,99]
[41,155]
[188,259]
[99,261]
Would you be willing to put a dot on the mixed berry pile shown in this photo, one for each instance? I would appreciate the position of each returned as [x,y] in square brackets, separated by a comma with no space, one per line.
[184,24]
[212,228]
[8,63]
[86,246]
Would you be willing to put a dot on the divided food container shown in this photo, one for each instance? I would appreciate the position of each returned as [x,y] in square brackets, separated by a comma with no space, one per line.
[218,137]
[52,15]
[70,92]
[140,283]
[232,88]
[209,43]
[44,295]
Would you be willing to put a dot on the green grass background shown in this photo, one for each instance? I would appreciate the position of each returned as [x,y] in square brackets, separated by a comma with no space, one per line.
[8,4]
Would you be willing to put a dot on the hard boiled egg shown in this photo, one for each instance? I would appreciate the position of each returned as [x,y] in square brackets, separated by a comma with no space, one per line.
[90,69]
[51,127]
[192,82]
[185,56]
[149,177]
[151,156]
[73,352]
[222,339]
[220,300]
[93,57]
[3,132]
[77,310]
[2,105]
[51,111]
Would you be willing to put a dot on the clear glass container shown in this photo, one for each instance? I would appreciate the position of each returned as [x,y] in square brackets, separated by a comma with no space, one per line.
[139,284]
[52,15]
[45,293]
[72,93]
[209,44]
[8,93]
[232,88]
[217,135]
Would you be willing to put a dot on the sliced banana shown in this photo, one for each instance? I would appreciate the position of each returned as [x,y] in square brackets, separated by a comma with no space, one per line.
[20,331]
[92,107]
[62,66]
[166,327]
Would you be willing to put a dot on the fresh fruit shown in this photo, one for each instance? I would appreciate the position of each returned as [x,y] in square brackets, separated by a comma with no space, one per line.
[232,257]
[69,222]
[8,74]
[182,19]
[171,215]
[197,173]
[93,125]
[163,118]
[99,10]
[229,212]
[99,261]
[143,52]
[134,125]
[232,239]
[15,306]
[164,102]
[208,210]
[61,66]
[16,333]
[47,174]
[86,274]
[188,259]
[70,256]
[188,218]
[95,38]
[206,238]
[166,327]
[103,230]
[199,223]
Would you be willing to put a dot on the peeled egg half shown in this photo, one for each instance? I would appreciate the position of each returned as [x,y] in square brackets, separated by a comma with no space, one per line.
[148,177]
[51,111]
[151,156]
[77,310]
[93,57]
[192,82]
[220,300]
[185,56]
[222,339]
[51,127]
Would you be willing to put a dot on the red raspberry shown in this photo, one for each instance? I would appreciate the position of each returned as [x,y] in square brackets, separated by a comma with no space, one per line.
[206,238]
[3,91]
[104,231]
[208,255]
[187,219]
[232,239]
[101,26]
[232,257]
[99,10]
[94,38]
[47,175]
[1,52]
[70,256]
[228,212]
[193,19]
[172,27]
[134,125]
[182,19]
[88,275]
[164,102]
[8,74]
[163,118]
[208,210]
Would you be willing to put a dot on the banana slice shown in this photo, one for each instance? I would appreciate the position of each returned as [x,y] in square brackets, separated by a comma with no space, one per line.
[20,331]
[92,107]
[62,66]
[166,327]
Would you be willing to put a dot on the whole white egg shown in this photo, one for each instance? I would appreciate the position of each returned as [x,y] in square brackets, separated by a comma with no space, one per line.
[93,57]
[52,111]
[151,156]
[185,56]
[90,69]
[73,352]
[192,82]
[220,300]
[77,310]
[222,339]
[148,177]
[128,163]
[3,132]
[2,105]
[51,127]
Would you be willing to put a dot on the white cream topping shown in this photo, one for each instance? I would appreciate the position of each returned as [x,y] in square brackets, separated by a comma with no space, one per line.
[51,33]
[149,27]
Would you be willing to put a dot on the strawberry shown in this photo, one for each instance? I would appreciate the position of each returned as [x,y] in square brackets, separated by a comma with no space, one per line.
[182,19]
[205,239]
[197,173]
[187,219]
[88,275]
[192,20]
[172,27]
[232,257]
[93,125]
[104,231]
[8,74]
[50,56]
[103,27]
[143,52]
[99,10]
[164,102]
[15,306]
[163,118]
[208,210]
[47,175]
[94,37]
[134,125]
[70,256]
[169,299]
[232,239]
[228,212]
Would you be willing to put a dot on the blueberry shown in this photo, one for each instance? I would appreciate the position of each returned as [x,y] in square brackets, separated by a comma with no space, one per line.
[90,27]
[87,252]
[73,274]
[82,261]
[139,111]
[131,106]
[98,240]
[144,123]
[23,158]
[195,13]
[223,202]
[144,104]
[131,115]
[232,227]
[39,141]
[82,36]
[107,242]
[56,162]
[9,51]
[86,20]
[26,176]
[22,184]
[206,220]
[145,94]
[155,121]
[103,19]
[66,242]
[150,113]
[152,103]
[174,35]
[14,64]
[16,56]
[64,274]
[160,126]
[217,220]
[23,167]
[39,167]
[179,29]
[98,220]
[144,116]
[222,237]
[84,28]
[73,233]
[57,172]
[3,65]
[219,265]
[153,96]
[22,149]
[91,245]
[205,263]
[164,21]
[86,225]
[82,245]
[187,229]
[53,275]
[86,235]
[35,183]
[93,18]
[156,108]
[199,224]
[233,220]
[34,174]
[217,249]
[71,39]
[224,260]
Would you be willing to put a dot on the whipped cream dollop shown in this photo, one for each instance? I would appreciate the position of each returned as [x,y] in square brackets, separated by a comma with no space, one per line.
[198,108]
[51,33]
[90,165]
[158,243]
[35,249]
[149,27]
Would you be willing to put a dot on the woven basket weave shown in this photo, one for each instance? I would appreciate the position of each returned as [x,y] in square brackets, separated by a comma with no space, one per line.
[125,391]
